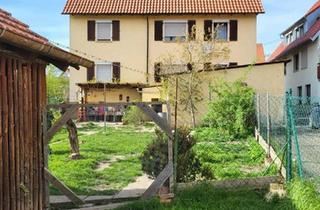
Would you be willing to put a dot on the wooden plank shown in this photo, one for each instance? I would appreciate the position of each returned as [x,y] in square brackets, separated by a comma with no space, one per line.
[63,188]
[21,132]
[11,138]
[163,124]
[160,180]
[62,121]
[36,177]
[6,188]
[16,123]
[110,104]
[1,137]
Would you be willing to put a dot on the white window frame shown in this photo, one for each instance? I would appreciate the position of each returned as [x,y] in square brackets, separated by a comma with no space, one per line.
[111,32]
[288,41]
[222,21]
[301,26]
[173,21]
[95,71]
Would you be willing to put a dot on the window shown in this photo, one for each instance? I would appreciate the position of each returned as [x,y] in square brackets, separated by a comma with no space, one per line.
[221,31]
[299,31]
[304,58]
[296,62]
[104,30]
[289,38]
[308,90]
[300,91]
[104,72]
[175,30]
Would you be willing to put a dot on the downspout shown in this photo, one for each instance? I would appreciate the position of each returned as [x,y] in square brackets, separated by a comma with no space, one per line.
[147,62]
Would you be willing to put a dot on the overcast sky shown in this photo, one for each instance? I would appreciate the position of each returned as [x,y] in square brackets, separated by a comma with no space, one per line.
[44,17]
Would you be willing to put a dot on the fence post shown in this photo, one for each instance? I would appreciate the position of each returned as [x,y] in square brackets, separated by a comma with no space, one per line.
[176,135]
[268,123]
[289,144]
[258,115]
[170,145]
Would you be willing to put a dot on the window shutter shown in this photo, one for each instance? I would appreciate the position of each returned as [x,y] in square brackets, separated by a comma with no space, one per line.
[158,30]
[90,73]
[157,69]
[192,34]
[233,30]
[207,30]
[116,30]
[91,30]
[116,71]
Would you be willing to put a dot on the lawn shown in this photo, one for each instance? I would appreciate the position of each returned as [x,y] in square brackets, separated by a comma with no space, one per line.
[205,197]
[125,142]
[226,159]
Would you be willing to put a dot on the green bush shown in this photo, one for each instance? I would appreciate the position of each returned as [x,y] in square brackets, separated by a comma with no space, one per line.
[155,157]
[232,110]
[304,195]
[134,116]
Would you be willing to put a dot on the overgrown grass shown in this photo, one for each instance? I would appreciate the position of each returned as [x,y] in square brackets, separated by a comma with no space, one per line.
[205,197]
[230,159]
[81,176]
[304,195]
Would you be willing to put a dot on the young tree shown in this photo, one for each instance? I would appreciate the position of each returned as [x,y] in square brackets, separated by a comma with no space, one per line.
[57,92]
[198,53]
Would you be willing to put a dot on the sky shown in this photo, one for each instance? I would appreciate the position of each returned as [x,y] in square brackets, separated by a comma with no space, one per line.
[44,17]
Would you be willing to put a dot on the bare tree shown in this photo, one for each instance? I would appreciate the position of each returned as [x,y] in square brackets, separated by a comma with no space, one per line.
[198,53]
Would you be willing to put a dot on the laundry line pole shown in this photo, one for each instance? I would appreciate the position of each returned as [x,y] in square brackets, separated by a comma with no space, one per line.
[104,108]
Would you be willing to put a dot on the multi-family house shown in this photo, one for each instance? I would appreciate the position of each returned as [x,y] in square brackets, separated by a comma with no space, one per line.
[126,39]
[301,45]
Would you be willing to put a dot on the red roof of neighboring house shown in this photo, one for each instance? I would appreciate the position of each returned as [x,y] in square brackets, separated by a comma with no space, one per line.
[302,40]
[281,47]
[260,54]
[162,6]
[313,8]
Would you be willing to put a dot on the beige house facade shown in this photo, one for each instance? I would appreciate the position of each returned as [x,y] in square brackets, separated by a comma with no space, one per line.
[127,41]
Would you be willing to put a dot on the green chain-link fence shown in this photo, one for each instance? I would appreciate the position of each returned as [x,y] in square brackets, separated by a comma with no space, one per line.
[290,126]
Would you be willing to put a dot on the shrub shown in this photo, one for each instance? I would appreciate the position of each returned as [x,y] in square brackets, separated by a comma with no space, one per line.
[155,157]
[134,116]
[232,110]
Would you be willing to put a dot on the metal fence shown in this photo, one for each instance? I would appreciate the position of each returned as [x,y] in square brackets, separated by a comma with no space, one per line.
[291,127]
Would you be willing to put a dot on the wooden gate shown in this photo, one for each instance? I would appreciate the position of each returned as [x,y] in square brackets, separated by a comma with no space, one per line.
[72,109]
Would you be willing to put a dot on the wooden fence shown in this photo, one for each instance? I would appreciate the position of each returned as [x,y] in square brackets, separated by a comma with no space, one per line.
[22,99]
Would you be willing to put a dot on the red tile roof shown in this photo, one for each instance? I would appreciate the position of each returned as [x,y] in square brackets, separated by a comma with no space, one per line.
[281,47]
[300,41]
[260,54]
[163,6]
[25,38]
[13,25]
[313,8]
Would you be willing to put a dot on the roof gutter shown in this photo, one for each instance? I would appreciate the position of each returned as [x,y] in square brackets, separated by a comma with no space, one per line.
[54,54]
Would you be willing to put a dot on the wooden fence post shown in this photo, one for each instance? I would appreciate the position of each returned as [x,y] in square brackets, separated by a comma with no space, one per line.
[268,123]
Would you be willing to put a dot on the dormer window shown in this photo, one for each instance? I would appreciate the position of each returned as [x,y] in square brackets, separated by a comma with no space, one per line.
[289,37]
[299,31]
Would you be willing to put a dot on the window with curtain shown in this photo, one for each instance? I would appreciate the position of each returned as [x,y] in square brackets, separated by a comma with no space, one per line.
[104,73]
[104,31]
[221,31]
[175,31]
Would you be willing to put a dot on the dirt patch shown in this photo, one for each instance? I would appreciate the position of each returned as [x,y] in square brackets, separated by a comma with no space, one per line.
[106,164]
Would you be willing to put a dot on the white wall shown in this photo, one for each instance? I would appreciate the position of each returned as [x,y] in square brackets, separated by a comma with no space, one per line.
[307,76]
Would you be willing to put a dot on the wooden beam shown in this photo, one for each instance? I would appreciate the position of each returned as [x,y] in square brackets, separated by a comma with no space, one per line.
[163,124]
[63,188]
[61,122]
[160,180]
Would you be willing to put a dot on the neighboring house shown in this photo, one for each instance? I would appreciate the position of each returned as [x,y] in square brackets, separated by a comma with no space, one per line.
[261,58]
[127,39]
[301,45]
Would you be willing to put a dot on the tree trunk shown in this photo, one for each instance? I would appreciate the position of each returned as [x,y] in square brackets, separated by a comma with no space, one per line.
[73,139]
